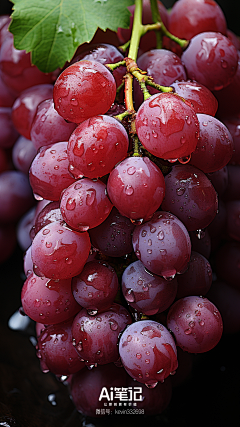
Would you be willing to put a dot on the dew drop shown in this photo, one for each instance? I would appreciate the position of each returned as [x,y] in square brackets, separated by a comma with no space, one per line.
[153,385]
[138,356]
[180,191]
[113,325]
[129,190]
[160,235]
[188,331]
[48,245]
[71,204]
[78,149]
[131,170]
[129,296]
[91,196]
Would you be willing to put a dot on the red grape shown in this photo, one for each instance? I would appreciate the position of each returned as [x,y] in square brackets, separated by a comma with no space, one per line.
[58,252]
[136,187]
[196,324]
[162,244]
[96,146]
[148,352]
[167,127]
[83,90]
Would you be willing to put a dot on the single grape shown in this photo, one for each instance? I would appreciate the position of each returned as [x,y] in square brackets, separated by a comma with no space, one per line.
[197,279]
[55,350]
[96,146]
[48,127]
[48,301]
[191,17]
[96,287]
[58,252]
[148,352]
[48,174]
[162,244]
[136,187]
[215,145]
[83,90]
[211,59]
[85,204]
[197,96]
[23,153]
[25,106]
[190,196]
[86,388]
[163,66]
[167,127]
[96,336]
[146,292]
[196,324]
[113,237]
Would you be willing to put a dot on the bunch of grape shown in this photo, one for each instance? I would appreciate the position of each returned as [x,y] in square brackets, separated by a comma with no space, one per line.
[118,277]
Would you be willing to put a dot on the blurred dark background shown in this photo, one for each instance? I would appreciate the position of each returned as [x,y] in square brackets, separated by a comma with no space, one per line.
[231,9]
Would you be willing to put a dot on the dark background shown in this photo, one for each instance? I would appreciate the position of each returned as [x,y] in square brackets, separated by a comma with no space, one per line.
[210,397]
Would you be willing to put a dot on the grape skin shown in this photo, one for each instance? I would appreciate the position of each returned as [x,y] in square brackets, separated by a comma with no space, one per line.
[167,127]
[83,90]
[136,187]
[196,324]
[162,244]
[148,352]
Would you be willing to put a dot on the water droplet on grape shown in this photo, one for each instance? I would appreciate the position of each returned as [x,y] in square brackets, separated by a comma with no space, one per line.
[188,331]
[91,196]
[71,204]
[129,190]
[180,191]
[153,385]
[92,312]
[113,325]
[129,295]
[138,356]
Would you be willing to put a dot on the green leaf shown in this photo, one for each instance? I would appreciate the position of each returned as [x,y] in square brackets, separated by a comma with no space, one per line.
[52,30]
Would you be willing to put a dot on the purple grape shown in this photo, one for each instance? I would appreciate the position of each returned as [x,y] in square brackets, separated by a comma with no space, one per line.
[96,287]
[197,96]
[197,279]
[146,292]
[113,237]
[190,196]
[96,336]
[196,324]
[162,244]
[148,352]
[211,59]
[215,145]
[163,66]
[55,350]
[23,153]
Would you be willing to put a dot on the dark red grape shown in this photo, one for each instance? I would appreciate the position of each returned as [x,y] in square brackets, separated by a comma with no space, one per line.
[197,96]
[9,134]
[113,237]
[48,301]
[23,153]
[162,244]
[146,292]
[50,213]
[15,195]
[48,173]
[211,59]
[58,252]
[25,106]
[167,127]
[163,66]
[83,90]
[105,54]
[191,17]
[48,126]
[56,352]
[96,146]
[190,196]
[197,279]
[87,385]
[96,287]
[136,187]
[96,336]
[85,204]
[215,145]
[17,71]
[196,324]
[148,352]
